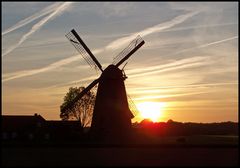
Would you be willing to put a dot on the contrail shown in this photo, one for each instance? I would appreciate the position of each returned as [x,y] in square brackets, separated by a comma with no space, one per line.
[173,95]
[171,68]
[169,65]
[217,42]
[184,63]
[181,94]
[188,62]
[157,28]
[180,64]
[145,32]
[57,64]
[74,58]
[199,26]
[205,45]
[38,25]
[29,19]
[147,89]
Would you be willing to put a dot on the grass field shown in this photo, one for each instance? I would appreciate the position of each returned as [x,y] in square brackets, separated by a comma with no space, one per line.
[159,156]
[197,140]
[205,150]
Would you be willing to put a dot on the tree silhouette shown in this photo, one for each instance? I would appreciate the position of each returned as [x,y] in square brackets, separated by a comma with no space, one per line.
[82,109]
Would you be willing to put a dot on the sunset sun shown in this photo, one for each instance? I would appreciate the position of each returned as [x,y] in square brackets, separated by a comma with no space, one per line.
[151,110]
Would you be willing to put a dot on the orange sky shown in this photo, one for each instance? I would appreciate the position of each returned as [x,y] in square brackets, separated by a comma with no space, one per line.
[189,60]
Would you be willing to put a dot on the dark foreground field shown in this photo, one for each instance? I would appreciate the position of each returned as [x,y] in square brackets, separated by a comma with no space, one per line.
[140,155]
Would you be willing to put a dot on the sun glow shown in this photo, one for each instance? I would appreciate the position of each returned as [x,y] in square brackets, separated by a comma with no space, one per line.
[151,110]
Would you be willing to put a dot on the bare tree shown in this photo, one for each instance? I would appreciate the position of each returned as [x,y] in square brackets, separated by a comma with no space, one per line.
[82,109]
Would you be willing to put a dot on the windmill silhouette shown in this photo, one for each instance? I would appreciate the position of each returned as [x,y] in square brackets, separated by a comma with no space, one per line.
[111,114]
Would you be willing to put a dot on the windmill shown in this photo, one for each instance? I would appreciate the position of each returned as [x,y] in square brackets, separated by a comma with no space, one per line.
[111,114]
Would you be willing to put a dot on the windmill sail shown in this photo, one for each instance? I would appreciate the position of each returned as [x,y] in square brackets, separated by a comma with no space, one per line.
[80,95]
[82,48]
[132,106]
[128,51]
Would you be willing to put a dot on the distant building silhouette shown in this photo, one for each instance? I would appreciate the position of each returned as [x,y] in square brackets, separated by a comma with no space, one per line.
[21,127]
[36,128]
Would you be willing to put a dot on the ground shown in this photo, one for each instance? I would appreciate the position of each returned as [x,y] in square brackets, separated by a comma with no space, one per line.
[172,151]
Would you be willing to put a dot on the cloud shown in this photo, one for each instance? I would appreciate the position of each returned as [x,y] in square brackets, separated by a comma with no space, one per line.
[167,96]
[87,79]
[121,41]
[200,26]
[190,63]
[183,63]
[115,9]
[157,28]
[205,45]
[176,65]
[57,64]
[150,93]
[162,89]
[38,25]
[217,42]
[31,18]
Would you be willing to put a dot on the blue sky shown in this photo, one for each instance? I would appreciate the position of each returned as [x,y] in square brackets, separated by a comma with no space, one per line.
[189,59]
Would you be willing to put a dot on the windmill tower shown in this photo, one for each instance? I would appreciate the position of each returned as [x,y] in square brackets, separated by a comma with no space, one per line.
[111,114]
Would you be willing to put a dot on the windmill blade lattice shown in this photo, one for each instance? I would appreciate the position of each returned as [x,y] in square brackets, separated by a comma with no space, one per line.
[138,40]
[132,106]
[79,96]
[81,47]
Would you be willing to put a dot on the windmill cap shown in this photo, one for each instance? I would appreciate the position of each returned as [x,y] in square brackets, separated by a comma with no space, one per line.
[112,72]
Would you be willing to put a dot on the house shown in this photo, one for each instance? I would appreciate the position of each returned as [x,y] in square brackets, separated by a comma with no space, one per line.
[63,130]
[36,128]
[21,127]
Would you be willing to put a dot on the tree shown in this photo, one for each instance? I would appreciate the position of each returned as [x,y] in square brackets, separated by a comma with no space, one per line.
[82,109]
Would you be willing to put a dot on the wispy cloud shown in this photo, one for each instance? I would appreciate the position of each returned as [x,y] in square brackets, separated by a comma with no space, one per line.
[188,63]
[38,25]
[199,26]
[152,93]
[217,42]
[204,45]
[31,18]
[180,64]
[147,31]
[146,89]
[76,82]
[157,28]
[191,66]
[164,92]
[137,72]
[167,96]
[57,64]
